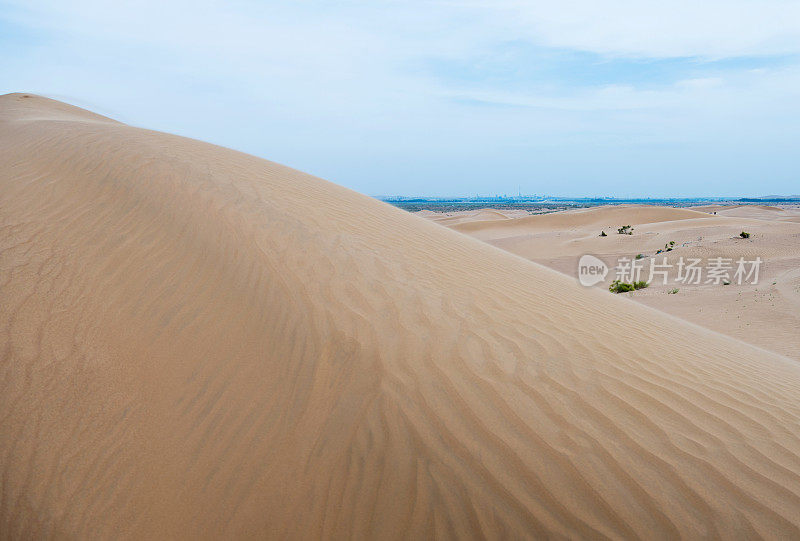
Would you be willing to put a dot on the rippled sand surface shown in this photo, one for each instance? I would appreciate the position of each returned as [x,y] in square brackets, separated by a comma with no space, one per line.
[197,343]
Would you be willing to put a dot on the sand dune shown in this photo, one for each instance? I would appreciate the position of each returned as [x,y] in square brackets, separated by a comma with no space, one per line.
[197,343]
[759,212]
[469,216]
[764,314]
[604,217]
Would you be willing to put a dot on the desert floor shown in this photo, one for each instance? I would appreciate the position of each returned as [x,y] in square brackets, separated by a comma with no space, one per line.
[766,313]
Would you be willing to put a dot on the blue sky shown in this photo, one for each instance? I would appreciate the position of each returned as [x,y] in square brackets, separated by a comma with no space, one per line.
[571,98]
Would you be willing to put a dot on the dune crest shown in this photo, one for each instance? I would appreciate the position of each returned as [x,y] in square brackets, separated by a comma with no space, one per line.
[602,217]
[199,343]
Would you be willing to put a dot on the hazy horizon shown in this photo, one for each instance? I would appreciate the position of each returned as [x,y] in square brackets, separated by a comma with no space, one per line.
[609,197]
[443,99]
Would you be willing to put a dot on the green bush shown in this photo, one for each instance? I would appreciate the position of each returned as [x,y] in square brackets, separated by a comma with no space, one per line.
[744,235]
[603,234]
[618,286]
[639,256]
[625,230]
[673,291]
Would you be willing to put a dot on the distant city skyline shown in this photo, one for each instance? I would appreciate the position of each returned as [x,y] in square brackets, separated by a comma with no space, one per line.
[531,196]
[573,99]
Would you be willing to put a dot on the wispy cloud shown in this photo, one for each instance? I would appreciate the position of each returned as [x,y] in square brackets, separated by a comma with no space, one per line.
[656,29]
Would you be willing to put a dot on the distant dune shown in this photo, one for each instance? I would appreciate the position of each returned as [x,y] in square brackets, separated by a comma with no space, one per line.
[765,313]
[603,217]
[478,215]
[197,343]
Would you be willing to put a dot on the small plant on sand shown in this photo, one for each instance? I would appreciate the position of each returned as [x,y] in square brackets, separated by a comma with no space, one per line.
[625,230]
[726,282]
[618,286]
[639,256]
[603,234]
[673,291]
[744,235]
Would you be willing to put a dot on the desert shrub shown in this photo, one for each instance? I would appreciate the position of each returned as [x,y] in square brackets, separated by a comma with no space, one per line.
[603,234]
[618,286]
[625,230]
[673,291]
[744,235]
[639,256]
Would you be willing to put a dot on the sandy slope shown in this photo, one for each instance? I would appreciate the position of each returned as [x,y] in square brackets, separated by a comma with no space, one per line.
[765,314]
[468,216]
[607,218]
[199,343]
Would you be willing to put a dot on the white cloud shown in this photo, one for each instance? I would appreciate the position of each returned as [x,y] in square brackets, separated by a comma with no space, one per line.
[657,29]
[644,28]
[314,83]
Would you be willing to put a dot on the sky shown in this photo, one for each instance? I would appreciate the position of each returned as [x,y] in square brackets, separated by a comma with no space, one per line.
[572,98]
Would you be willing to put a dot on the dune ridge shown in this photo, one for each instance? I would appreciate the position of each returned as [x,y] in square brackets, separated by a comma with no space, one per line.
[199,343]
[600,216]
